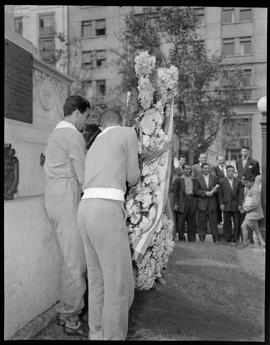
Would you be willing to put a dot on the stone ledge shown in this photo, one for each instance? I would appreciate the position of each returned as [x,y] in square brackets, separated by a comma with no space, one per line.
[31,329]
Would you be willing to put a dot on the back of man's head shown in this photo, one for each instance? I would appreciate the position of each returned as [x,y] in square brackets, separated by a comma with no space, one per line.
[75,102]
[249,177]
[110,117]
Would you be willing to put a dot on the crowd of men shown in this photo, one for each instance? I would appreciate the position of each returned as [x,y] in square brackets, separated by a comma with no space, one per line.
[204,196]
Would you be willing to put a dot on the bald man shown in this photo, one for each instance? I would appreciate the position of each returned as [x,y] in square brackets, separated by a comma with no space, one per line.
[111,162]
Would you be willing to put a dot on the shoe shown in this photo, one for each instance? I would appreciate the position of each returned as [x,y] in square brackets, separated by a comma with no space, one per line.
[77,328]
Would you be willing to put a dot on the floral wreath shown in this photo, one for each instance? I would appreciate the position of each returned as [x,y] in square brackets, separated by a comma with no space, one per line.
[150,230]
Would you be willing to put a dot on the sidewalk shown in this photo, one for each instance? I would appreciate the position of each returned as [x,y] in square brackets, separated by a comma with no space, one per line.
[213,292]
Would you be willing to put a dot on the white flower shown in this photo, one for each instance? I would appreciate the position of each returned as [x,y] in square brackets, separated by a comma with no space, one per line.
[151,179]
[146,92]
[146,140]
[144,63]
[148,125]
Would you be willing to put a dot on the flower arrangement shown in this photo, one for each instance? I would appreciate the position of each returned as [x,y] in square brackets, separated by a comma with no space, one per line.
[150,231]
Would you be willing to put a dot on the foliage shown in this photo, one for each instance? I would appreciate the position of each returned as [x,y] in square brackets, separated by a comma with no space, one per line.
[205,97]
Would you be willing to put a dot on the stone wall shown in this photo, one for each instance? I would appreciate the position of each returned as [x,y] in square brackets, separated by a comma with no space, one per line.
[31,257]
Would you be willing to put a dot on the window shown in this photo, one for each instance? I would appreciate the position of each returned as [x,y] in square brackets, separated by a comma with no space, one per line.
[101,87]
[100,58]
[87,29]
[200,13]
[46,25]
[93,28]
[100,27]
[237,133]
[244,14]
[86,84]
[227,15]
[247,77]
[245,45]
[18,23]
[228,46]
[87,58]
[47,50]
[94,58]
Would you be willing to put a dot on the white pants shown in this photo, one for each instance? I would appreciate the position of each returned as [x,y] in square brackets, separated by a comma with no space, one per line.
[61,204]
[109,267]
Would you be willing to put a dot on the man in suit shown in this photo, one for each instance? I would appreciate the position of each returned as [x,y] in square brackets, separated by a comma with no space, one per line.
[246,166]
[230,201]
[220,172]
[206,188]
[197,168]
[111,161]
[185,204]
[182,162]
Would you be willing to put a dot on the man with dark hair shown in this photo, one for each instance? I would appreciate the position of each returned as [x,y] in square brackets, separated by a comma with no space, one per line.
[230,202]
[182,162]
[206,187]
[185,204]
[246,164]
[111,161]
[64,170]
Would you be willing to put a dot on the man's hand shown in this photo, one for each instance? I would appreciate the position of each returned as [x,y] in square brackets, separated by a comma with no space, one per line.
[222,207]
[176,207]
[208,193]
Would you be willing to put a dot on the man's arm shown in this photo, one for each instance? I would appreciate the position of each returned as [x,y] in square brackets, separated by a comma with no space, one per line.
[77,155]
[198,191]
[133,171]
[256,168]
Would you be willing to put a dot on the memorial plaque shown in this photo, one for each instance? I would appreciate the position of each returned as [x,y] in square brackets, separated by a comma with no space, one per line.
[18,83]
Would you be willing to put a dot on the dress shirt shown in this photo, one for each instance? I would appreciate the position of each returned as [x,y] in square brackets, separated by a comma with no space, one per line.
[189,185]
[206,179]
[223,168]
[244,162]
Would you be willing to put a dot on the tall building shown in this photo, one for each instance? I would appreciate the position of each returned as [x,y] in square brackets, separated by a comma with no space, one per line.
[240,33]
[46,28]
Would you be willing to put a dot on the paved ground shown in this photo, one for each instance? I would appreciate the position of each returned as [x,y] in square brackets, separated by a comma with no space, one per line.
[213,292]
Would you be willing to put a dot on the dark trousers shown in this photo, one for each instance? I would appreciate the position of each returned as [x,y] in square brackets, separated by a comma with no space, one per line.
[203,216]
[189,216]
[227,226]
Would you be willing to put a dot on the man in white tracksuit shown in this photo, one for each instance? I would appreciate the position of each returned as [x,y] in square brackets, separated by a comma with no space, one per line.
[111,161]
[64,169]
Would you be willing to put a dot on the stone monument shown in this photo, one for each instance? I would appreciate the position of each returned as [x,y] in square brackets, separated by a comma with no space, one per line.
[34,97]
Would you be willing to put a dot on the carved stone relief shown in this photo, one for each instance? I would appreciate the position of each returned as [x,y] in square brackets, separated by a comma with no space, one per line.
[49,95]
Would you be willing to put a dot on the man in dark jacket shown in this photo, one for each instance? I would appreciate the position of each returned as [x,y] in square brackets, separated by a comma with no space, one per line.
[185,204]
[230,201]
[220,172]
[206,187]
[247,165]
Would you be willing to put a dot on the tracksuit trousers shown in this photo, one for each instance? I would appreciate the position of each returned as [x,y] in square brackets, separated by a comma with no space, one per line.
[109,267]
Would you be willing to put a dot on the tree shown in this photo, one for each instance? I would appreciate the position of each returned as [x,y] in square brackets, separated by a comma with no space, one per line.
[206,95]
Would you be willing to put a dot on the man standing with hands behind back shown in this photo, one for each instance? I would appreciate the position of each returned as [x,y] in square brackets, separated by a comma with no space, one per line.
[111,161]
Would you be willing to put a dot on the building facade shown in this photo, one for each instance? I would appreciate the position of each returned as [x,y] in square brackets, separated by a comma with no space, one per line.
[90,33]
[46,27]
